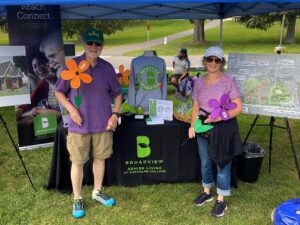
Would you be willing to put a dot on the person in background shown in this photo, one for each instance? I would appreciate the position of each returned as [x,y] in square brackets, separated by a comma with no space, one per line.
[91,124]
[181,66]
[223,143]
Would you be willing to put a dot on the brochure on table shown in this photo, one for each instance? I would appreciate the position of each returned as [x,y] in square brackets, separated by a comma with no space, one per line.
[154,121]
[161,109]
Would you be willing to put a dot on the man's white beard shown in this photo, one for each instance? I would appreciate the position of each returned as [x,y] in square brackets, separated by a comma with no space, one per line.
[92,54]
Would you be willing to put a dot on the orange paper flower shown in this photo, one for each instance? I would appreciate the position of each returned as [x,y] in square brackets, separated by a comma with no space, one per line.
[124,75]
[75,73]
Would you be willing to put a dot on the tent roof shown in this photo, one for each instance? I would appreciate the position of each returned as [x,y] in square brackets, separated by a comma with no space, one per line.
[158,9]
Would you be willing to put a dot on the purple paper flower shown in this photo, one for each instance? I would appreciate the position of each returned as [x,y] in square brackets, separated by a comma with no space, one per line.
[220,108]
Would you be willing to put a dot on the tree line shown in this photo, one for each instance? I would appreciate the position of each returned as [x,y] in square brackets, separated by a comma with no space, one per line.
[262,22]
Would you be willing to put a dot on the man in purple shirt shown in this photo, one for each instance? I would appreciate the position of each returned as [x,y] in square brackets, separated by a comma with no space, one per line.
[92,119]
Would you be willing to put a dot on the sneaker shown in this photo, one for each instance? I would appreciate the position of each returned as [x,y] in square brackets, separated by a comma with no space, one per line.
[103,198]
[219,209]
[202,198]
[78,210]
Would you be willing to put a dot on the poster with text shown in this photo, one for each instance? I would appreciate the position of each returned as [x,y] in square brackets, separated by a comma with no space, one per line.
[38,27]
[269,83]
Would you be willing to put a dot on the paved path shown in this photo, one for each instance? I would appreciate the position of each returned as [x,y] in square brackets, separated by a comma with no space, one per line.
[115,55]
[120,50]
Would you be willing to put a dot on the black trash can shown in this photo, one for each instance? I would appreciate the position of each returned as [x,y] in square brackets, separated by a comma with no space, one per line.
[250,162]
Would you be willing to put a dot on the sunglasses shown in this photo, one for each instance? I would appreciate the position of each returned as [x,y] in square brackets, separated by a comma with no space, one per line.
[90,43]
[211,59]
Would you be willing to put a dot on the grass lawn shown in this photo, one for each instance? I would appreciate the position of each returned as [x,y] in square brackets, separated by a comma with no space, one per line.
[3,38]
[138,33]
[132,34]
[236,38]
[251,204]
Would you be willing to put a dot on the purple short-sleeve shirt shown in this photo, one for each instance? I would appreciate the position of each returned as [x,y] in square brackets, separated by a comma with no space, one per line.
[203,92]
[97,96]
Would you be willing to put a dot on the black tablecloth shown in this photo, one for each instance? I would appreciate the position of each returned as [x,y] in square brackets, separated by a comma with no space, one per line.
[167,162]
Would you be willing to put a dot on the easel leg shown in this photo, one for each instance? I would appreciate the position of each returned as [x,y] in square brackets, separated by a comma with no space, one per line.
[292,145]
[17,150]
[272,121]
[250,130]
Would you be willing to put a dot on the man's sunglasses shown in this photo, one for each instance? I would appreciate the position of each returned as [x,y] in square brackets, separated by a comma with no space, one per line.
[211,59]
[90,43]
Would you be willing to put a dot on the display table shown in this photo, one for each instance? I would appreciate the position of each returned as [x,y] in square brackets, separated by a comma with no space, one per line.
[142,155]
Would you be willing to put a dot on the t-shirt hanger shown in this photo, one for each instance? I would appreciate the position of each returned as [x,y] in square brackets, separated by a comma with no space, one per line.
[149,53]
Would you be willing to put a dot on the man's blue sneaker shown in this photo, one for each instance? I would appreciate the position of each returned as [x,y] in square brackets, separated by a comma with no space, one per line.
[78,210]
[103,198]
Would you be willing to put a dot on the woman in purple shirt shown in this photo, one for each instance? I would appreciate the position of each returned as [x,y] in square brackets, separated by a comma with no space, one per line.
[223,142]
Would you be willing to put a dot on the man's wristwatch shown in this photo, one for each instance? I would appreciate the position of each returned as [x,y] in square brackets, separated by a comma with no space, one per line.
[116,113]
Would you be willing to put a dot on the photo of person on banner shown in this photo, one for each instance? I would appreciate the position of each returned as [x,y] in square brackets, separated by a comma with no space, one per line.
[33,79]
[220,145]
[43,100]
[53,48]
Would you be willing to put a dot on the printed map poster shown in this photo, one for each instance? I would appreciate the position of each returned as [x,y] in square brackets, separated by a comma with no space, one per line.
[269,83]
[14,85]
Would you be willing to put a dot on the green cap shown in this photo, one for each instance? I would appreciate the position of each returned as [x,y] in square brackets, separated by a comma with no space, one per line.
[92,34]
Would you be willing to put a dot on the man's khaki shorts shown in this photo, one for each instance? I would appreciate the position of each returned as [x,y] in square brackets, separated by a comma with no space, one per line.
[79,146]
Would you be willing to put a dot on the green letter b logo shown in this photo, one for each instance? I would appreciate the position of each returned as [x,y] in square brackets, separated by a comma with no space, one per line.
[143,149]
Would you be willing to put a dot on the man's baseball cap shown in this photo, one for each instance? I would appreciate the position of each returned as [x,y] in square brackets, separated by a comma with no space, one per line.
[92,34]
[214,51]
[183,51]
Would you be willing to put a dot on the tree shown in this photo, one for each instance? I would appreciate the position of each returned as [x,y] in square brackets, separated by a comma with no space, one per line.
[265,21]
[290,34]
[20,62]
[3,24]
[77,27]
[199,34]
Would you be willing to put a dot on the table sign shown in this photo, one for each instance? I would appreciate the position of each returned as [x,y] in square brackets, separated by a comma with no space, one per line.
[161,108]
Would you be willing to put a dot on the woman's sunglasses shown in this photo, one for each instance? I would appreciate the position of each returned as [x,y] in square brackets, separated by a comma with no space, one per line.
[211,59]
[90,43]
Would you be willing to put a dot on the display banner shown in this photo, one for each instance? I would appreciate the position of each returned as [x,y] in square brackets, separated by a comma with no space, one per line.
[38,27]
[269,83]
[14,86]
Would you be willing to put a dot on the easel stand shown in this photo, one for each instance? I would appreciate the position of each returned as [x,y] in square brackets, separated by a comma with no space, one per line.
[272,125]
[16,148]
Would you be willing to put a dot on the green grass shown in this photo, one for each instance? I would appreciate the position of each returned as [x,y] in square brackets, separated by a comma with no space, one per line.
[135,33]
[236,38]
[9,92]
[3,38]
[138,33]
[251,204]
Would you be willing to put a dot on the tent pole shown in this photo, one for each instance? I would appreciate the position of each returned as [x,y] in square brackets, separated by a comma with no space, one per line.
[221,32]
[282,27]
